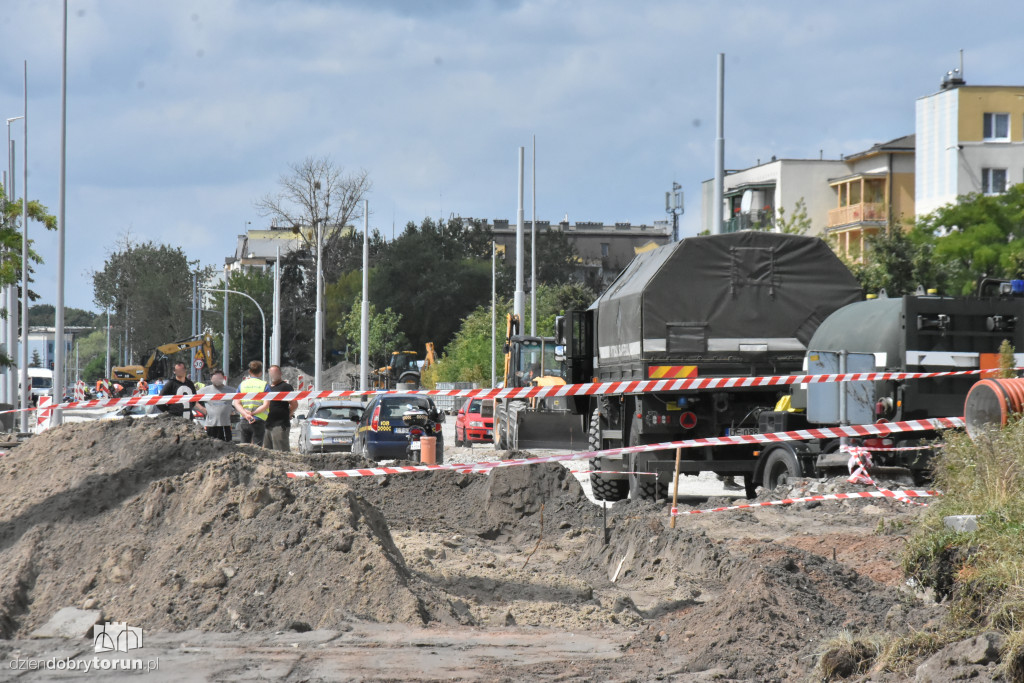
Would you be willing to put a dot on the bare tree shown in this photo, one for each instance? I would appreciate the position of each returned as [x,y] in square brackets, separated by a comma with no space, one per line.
[317,192]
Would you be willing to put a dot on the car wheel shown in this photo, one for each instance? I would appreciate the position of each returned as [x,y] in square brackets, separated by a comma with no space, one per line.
[458,441]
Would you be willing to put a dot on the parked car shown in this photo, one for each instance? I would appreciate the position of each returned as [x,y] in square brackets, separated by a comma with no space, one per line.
[474,422]
[133,412]
[382,434]
[329,425]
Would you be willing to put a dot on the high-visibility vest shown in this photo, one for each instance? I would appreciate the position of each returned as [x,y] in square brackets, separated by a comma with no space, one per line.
[252,385]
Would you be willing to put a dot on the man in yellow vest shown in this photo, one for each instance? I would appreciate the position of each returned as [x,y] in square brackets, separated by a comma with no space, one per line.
[254,413]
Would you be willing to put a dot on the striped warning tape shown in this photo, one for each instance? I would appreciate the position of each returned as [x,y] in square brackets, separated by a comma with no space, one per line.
[878,429]
[897,495]
[591,389]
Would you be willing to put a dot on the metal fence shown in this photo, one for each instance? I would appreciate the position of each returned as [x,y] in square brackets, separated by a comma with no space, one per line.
[451,404]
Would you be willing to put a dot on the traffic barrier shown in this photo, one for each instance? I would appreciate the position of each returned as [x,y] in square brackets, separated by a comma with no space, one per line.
[591,389]
[859,464]
[897,495]
[877,429]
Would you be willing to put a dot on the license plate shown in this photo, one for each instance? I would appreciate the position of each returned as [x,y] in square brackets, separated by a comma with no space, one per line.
[339,440]
[415,445]
[401,430]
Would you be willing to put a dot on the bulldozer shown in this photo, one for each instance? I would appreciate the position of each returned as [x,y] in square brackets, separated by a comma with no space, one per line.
[523,424]
[155,364]
[402,369]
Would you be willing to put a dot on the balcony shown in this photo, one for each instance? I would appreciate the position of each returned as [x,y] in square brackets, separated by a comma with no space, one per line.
[754,220]
[857,213]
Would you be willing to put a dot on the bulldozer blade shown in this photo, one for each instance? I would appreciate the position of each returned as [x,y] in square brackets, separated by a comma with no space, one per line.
[561,431]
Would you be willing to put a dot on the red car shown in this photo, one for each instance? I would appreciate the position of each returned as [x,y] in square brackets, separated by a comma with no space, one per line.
[474,422]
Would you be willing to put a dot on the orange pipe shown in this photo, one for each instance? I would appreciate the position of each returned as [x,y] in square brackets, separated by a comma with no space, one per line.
[991,403]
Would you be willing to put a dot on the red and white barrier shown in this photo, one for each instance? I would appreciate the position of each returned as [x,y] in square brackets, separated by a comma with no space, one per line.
[592,389]
[896,495]
[879,429]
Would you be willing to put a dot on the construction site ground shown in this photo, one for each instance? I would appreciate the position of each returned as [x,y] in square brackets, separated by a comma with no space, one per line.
[236,572]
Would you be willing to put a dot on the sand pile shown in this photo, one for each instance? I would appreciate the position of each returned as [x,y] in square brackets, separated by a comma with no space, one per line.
[158,525]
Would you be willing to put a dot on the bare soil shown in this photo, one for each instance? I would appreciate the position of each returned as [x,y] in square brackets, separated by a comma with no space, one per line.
[157,525]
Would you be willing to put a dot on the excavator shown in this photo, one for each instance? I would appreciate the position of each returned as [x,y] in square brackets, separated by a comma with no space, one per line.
[155,364]
[523,424]
[402,369]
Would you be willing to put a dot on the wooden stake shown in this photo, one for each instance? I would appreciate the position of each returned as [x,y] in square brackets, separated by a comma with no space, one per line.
[675,487]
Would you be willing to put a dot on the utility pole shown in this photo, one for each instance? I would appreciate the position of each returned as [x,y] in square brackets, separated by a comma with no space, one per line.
[533,247]
[58,364]
[275,329]
[494,303]
[520,296]
[318,342]
[106,365]
[719,187]
[195,305]
[227,371]
[364,312]
[24,394]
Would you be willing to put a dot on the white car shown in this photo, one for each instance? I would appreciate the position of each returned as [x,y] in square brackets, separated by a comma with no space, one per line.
[329,426]
[133,412]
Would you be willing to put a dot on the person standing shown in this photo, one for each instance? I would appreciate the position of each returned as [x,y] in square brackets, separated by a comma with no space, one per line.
[217,413]
[254,413]
[280,413]
[179,385]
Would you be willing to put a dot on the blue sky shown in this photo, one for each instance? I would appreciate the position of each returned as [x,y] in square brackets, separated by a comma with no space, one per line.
[182,114]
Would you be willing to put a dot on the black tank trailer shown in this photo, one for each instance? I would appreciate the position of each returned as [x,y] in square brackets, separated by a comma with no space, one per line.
[741,304]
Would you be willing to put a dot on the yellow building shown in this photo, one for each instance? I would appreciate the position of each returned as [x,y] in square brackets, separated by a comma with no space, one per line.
[878,190]
[970,139]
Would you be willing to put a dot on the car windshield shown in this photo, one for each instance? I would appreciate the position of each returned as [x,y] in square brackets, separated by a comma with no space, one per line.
[537,359]
[42,382]
[391,410]
[337,413]
[474,406]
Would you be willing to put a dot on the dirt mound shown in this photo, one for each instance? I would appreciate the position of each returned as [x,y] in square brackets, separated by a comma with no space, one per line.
[487,505]
[154,523]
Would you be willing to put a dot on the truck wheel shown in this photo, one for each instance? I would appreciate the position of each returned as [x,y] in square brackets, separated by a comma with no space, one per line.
[609,489]
[780,467]
[643,487]
[594,433]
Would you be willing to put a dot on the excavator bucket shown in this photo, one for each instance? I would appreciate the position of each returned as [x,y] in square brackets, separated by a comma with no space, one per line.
[531,429]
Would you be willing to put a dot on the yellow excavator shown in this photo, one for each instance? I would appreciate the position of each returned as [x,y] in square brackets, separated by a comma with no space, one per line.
[524,424]
[403,369]
[155,365]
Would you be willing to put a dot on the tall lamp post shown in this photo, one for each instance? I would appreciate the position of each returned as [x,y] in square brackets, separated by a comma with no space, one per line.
[318,342]
[263,344]
[10,330]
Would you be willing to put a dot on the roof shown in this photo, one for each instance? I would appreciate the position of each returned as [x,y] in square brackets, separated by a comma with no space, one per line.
[903,144]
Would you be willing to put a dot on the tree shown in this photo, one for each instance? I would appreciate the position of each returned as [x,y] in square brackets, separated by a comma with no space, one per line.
[245,327]
[798,223]
[979,236]
[385,332]
[43,314]
[10,246]
[37,362]
[317,192]
[147,287]
[899,261]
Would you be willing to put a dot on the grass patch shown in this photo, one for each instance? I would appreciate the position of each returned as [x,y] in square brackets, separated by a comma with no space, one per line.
[981,572]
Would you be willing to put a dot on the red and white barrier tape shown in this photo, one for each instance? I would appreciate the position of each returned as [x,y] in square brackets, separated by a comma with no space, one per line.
[592,389]
[897,495]
[859,464]
[775,437]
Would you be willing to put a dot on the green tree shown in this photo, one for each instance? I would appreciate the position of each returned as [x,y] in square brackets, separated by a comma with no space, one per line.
[385,332]
[797,223]
[979,236]
[245,327]
[36,362]
[899,261]
[147,287]
[43,315]
[11,242]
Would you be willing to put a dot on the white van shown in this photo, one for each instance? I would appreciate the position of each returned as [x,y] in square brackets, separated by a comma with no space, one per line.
[41,381]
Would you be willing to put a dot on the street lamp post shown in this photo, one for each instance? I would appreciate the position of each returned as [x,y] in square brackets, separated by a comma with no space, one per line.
[10,331]
[318,342]
[263,318]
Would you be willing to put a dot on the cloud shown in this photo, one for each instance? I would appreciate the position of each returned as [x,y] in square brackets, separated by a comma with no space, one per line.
[180,115]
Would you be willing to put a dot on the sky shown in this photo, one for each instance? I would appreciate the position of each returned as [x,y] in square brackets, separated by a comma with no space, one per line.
[181,115]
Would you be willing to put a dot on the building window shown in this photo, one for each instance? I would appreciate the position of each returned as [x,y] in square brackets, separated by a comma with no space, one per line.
[997,126]
[993,180]
[604,250]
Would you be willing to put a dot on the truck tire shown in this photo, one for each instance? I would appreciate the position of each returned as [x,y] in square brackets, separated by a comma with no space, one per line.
[780,467]
[611,490]
[642,486]
[594,433]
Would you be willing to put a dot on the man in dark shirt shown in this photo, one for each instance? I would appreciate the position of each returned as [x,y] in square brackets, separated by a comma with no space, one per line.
[279,413]
[180,384]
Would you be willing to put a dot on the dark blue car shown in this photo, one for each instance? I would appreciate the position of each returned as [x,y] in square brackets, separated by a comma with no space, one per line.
[382,435]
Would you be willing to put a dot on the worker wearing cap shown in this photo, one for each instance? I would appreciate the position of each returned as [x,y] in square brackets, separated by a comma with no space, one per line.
[254,413]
